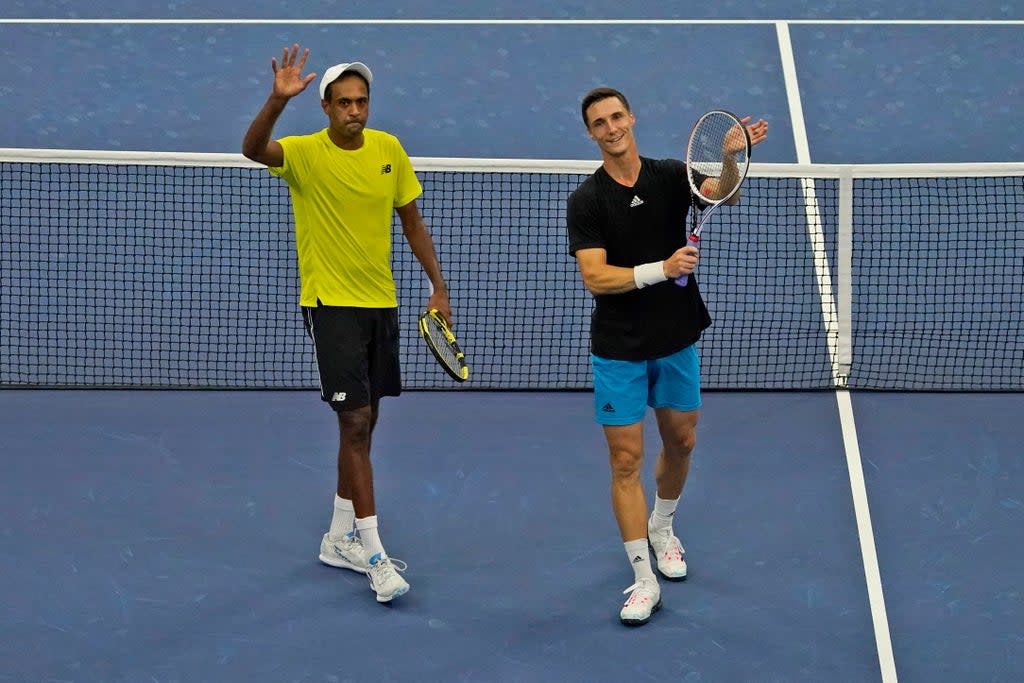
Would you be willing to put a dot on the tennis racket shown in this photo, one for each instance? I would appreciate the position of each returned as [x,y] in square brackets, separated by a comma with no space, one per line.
[719,148]
[441,342]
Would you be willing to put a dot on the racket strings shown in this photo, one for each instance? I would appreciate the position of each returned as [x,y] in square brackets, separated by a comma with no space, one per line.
[448,351]
[705,151]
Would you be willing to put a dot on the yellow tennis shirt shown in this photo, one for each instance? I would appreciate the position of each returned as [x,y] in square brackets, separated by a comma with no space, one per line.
[344,202]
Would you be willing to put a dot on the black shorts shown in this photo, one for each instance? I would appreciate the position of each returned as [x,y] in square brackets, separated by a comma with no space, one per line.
[356,353]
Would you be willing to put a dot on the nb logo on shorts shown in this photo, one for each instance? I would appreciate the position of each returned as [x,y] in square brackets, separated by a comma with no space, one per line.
[608,408]
[338,396]
[386,168]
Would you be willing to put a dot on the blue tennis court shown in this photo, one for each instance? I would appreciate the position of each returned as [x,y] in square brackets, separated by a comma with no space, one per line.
[171,535]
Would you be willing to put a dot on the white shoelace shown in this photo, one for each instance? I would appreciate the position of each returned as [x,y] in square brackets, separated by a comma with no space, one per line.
[673,547]
[391,566]
[350,542]
[674,551]
[645,591]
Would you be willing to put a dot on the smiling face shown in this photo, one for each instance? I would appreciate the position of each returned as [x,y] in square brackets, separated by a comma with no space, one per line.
[610,124]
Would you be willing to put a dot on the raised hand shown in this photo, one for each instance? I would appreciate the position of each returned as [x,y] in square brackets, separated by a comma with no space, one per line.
[734,141]
[757,131]
[288,78]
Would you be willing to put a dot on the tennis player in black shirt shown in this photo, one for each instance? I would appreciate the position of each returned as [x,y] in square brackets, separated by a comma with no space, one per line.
[627,229]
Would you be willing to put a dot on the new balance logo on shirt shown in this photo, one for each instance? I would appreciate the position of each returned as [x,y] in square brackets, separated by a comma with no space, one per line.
[636,202]
[386,168]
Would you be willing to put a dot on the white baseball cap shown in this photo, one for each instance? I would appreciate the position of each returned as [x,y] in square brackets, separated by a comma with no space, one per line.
[337,70]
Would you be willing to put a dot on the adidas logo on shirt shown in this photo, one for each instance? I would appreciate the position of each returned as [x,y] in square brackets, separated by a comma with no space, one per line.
[636,202]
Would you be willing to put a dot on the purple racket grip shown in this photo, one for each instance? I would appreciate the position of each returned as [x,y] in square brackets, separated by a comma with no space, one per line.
[692,241]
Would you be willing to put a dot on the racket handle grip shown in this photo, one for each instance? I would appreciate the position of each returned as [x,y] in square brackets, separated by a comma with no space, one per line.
[691,241]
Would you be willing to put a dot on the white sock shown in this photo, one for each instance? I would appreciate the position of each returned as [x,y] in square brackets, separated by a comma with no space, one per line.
[344,516]
[367,527]
[663,512]
[639,558]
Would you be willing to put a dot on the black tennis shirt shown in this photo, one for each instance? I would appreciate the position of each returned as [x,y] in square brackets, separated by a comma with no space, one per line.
[636,225]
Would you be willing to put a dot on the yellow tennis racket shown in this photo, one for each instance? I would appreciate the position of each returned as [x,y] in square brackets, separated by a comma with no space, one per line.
[441,342]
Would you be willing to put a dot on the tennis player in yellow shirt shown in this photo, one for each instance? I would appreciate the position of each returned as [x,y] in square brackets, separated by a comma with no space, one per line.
[346,182]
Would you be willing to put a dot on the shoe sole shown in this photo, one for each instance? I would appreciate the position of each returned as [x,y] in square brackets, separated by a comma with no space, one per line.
[641,622]
[674,579]
[340,564]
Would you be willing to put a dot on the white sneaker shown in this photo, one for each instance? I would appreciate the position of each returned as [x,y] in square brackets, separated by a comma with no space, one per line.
[346,553]
[384,578]
[643,601]
[669,552]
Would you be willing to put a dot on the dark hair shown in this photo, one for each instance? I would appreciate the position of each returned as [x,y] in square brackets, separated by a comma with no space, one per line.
[598,94]
[345,74]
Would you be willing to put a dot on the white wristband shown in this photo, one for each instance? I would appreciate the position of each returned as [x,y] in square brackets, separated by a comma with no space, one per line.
[649,274]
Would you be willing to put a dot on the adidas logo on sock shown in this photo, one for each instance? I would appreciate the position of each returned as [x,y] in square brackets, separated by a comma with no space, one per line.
[608,408]
[636,202]
[637,559]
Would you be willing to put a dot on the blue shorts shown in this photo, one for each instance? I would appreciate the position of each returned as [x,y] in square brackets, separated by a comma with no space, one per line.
[624,388]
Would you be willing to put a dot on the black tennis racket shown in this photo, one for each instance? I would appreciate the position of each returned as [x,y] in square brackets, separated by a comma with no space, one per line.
[441,342]
[717,159]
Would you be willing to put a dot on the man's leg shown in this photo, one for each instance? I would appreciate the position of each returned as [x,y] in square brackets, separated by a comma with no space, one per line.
[620,403]
[626,455]
[355,472]
[338,337]
[354,465]
[341,546]
[679,436]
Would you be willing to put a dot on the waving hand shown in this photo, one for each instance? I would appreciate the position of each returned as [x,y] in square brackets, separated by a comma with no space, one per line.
[288,78]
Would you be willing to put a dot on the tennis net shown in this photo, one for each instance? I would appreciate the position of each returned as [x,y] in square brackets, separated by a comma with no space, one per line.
[142,269]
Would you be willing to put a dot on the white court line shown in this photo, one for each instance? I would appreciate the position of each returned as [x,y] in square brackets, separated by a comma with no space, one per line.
[531,22]
[796,108]
[872,575]
[812,212]
[862,513]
